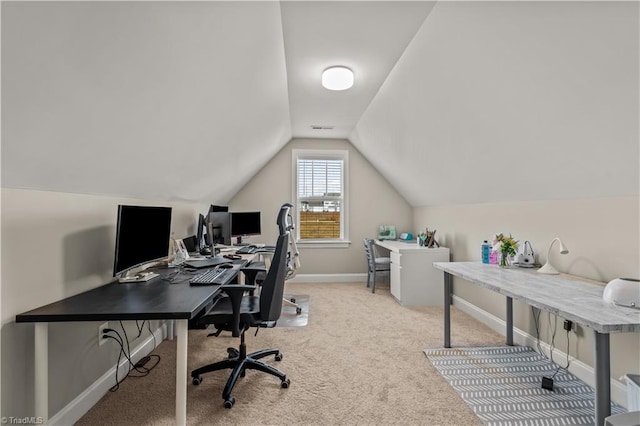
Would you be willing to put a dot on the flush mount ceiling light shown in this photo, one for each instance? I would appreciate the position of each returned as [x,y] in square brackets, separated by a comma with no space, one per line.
[337,78]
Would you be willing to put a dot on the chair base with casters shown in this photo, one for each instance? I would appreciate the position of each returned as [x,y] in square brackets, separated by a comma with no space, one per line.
[291,301]
[239,361]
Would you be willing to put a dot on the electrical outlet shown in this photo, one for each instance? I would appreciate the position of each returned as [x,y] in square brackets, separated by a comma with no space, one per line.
[101,340]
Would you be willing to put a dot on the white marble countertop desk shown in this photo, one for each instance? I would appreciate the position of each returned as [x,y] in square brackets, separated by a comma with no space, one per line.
[570,297]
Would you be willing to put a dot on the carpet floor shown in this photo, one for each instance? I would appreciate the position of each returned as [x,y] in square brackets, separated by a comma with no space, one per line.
[359,361]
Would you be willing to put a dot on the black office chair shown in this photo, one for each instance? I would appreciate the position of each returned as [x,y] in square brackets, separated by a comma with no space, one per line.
[237,312]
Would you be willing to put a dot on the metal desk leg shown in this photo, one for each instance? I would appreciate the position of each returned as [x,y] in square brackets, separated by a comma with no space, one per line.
[181,371]
[509,321]
[447,309]
[41,370]
[603,377]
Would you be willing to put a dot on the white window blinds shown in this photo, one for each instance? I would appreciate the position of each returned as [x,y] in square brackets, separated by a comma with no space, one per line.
[319,178]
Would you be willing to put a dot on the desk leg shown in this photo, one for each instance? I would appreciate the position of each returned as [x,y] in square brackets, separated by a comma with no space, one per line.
[509,321]
[41,370]
[170,330]
[447,309]
[603,377]
[181,371]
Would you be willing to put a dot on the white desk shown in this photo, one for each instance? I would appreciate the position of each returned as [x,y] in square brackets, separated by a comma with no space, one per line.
[573,298]
[414,281]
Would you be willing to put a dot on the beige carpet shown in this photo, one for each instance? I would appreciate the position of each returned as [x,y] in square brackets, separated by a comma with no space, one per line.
[358,361]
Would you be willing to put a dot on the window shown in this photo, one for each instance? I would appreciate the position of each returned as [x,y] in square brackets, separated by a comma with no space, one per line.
[319,184]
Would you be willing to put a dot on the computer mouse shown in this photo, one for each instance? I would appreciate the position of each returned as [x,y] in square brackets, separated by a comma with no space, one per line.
[225,265]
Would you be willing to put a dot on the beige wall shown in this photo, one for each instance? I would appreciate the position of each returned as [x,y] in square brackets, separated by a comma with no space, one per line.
[372,202]
[56,245]
[602,236]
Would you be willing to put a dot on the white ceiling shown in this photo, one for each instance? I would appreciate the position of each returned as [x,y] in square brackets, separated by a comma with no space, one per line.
[460,102]
[367,37]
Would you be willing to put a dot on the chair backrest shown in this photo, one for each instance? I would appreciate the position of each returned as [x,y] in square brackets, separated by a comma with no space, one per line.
[370,251]
[286,225]
[273,284]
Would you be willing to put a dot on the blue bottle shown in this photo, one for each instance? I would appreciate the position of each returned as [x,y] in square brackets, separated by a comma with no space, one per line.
[486,250]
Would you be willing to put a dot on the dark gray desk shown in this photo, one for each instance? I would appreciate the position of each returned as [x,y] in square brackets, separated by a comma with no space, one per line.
[154,300]
[573,298]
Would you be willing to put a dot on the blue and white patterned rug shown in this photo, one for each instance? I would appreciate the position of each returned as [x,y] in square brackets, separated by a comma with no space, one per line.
[502,385]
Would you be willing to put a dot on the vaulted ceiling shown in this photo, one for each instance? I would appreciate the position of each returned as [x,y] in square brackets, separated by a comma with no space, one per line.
[454,102]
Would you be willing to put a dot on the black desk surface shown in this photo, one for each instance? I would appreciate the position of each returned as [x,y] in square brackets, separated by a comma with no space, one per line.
[155,299]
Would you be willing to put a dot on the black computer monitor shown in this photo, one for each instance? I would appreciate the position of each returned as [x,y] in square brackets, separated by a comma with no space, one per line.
[243,224]
[214,208]
[142,236]
[220,227]
[201,231]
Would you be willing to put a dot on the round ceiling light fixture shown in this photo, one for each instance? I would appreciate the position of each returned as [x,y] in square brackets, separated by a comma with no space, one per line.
[337,78]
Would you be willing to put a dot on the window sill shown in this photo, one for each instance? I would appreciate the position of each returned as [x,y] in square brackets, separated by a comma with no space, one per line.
[323,244]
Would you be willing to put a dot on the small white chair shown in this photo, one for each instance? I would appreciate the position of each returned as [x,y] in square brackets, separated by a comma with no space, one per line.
[374,263]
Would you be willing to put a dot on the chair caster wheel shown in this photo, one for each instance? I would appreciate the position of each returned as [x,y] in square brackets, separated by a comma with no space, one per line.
[228,403]
[196,380]
[285,383]
[298,310]
[293,300]
[279,356]
[232,353]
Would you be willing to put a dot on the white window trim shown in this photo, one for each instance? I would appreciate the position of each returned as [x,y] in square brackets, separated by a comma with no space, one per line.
[329,154]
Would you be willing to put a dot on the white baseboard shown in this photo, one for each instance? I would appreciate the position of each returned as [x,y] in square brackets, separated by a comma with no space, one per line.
[578,368]
[77,408]
[329,278]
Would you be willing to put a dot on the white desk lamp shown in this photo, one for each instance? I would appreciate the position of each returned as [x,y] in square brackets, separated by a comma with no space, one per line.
[547,268]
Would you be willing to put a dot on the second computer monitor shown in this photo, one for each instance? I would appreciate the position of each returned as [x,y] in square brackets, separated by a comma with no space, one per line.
[244,224]
[220,226]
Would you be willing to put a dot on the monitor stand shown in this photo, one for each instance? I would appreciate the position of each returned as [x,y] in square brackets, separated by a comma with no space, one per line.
[213,259]
[239,242]
[140,277]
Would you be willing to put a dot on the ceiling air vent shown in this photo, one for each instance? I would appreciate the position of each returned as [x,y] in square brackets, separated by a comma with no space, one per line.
[316,127]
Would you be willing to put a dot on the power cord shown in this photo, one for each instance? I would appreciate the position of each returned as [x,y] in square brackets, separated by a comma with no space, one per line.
[139,367]
[179,275]
[140,327]
[547,382]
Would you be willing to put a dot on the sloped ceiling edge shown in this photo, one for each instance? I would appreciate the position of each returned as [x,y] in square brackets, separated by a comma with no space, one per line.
[500,101]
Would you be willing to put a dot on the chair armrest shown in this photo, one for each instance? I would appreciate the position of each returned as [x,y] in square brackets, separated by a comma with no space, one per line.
[255,266]
[231,289]
[235,293]
[252,272]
